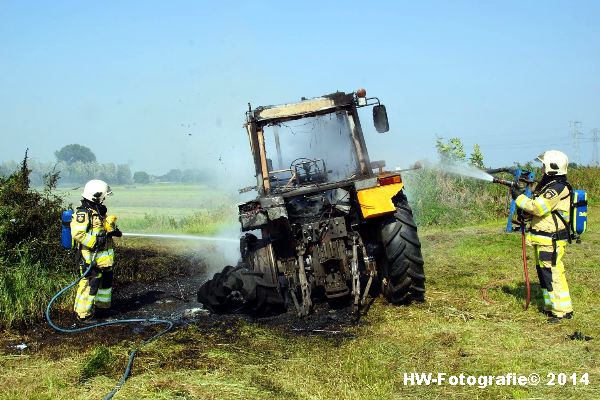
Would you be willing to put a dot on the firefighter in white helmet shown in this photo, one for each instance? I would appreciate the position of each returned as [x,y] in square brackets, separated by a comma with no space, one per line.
[549,233]
[93,231]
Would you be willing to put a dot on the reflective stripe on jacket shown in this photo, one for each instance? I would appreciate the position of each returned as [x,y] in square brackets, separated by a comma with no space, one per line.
[85,233]
[554,197]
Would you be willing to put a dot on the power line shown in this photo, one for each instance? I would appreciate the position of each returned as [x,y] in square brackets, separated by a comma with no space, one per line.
[575,134]
[595,140]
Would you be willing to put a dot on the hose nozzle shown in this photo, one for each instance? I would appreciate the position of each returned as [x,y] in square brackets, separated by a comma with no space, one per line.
[503,182]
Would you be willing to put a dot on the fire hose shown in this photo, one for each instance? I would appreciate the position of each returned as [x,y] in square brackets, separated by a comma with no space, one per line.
[525,269]
[152,321]
[523,244]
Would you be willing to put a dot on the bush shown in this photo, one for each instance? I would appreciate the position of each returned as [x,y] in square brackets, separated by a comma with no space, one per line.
[32,262]
[30,220]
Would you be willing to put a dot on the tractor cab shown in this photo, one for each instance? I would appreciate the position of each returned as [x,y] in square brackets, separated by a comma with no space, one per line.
[312,142]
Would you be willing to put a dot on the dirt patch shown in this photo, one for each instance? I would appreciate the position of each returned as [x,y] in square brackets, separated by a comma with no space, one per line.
[141,262]
[324,321]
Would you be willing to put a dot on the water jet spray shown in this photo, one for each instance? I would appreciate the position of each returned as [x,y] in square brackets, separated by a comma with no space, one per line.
[181,237]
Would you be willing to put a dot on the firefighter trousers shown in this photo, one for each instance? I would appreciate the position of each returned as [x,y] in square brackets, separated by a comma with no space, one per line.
[95,289]
[553,282]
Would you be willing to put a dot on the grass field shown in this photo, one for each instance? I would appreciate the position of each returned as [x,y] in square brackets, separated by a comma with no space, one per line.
[453,332]
[166,208]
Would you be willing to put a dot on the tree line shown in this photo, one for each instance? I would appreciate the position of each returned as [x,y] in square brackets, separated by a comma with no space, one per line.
[76,164]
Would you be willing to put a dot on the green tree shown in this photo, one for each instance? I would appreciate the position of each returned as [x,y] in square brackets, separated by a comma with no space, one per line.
[173,175]
[476,158]
[141,177]
[75,152]
[108,172]
[451,150]
[123,174]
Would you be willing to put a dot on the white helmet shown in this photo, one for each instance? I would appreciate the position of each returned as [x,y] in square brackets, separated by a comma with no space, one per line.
[555,162]
[96,191]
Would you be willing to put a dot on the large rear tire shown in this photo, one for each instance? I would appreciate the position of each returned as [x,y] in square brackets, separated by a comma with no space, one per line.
[404,277]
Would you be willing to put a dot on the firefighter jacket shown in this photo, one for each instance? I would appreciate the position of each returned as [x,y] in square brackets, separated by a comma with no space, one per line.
[87,224]
[550,202]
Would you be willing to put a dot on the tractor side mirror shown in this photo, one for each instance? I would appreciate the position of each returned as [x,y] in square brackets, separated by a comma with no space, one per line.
[380,119]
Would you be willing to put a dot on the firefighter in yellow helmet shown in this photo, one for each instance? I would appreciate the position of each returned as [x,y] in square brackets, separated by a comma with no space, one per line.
[92,230]
[549,209]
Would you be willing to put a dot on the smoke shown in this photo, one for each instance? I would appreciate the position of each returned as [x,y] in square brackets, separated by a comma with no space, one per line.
[226,252]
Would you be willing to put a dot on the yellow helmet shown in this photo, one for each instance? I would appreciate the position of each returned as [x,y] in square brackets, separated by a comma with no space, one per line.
[96,191]
[555,162]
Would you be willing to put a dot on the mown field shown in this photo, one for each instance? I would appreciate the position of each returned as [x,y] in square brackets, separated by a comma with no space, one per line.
[455,331]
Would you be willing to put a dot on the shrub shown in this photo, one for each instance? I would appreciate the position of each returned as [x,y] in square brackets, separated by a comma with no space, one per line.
[30,220]
[31,259]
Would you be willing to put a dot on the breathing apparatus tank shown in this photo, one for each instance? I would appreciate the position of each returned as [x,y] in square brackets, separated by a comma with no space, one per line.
[65,235]
[579,212]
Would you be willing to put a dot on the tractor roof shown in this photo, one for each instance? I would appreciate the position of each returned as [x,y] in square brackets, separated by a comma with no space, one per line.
[306,108]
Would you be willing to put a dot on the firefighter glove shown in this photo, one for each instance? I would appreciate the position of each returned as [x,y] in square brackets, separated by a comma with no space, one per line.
[115,233]
[100,242]
[516,191]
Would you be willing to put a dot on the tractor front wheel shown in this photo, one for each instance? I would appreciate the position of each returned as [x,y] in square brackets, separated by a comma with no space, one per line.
[404,277]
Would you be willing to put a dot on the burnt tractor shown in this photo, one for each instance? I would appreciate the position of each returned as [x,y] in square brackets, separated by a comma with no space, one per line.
[328,225]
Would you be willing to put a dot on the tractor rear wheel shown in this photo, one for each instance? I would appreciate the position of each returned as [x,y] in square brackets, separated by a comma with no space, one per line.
[404,277]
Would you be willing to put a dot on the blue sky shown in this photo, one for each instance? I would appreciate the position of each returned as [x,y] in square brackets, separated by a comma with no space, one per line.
[132,79]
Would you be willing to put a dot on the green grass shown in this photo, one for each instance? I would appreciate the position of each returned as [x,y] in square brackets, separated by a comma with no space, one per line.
[96,363]
[26,288]
[454,332]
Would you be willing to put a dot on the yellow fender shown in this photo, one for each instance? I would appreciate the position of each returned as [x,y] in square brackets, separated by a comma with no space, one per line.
[377,201]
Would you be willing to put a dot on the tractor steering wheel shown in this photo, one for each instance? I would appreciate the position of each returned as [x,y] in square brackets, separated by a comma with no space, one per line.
[304,160]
